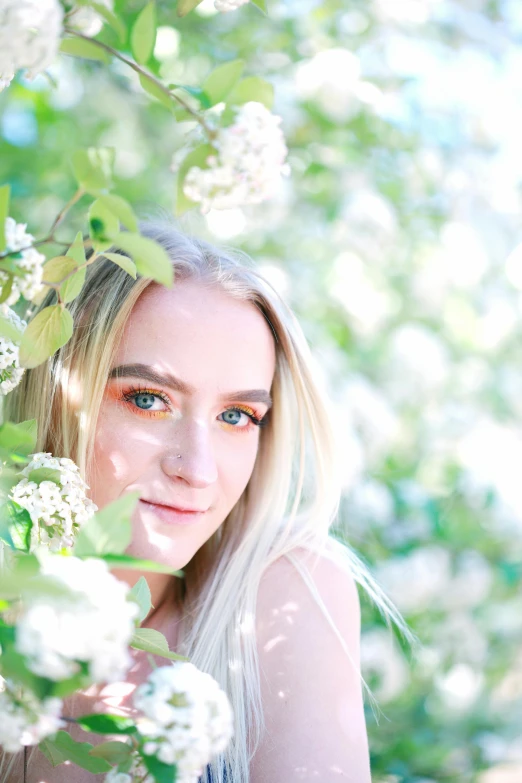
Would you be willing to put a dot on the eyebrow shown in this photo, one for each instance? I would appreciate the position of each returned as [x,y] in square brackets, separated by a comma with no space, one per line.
[146,373]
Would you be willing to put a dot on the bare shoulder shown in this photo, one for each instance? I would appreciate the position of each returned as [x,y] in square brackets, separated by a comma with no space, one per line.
[308,639]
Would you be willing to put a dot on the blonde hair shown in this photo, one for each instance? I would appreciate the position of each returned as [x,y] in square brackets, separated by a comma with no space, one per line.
[293,493]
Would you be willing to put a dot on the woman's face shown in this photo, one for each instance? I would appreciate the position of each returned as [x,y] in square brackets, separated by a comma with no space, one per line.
[191,377]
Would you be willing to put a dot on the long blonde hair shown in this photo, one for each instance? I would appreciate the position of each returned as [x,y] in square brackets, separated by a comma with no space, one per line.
[292,496]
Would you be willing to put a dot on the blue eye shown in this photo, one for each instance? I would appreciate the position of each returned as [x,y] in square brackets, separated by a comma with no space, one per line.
[233,416]
[144,401]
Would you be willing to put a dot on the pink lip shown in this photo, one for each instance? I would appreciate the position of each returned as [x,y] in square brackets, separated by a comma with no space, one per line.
[173,515]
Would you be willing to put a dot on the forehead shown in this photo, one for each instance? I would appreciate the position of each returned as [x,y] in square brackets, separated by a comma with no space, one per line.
[202,335]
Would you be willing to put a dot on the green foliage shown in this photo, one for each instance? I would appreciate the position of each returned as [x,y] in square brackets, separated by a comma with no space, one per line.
[121,208]
[140,592]
[107,724]
[17,524]
[184,7]
[5,192]
[253,88]
[150,258]
[162,773]
[93,169]
[114,752]
[44,474]
[51,328]
[19,439]
[152,641]
[219,84]
[123,261]
[78,47]
[143,34]
[63,748]
[109,530]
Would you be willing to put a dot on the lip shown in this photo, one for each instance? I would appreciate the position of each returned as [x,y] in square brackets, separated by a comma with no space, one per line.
[174,515]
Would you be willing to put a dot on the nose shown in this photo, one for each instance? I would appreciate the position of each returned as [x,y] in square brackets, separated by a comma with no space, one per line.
[190,458]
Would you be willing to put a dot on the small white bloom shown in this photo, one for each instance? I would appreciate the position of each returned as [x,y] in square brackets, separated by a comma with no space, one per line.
[187,718]
[87,20]
[249,161]
[10,371]
[30,32]
[5,80]
[28,280]
[57,511]
[229,5]
[93,624]
[25,720]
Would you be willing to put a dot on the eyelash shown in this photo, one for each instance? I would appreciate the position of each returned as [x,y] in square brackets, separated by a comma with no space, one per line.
[133,391]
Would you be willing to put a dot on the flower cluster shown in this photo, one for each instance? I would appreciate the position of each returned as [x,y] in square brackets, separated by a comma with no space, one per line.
[24,720]
[30,32]
[10,370]
[57,510]
[29,262]
[92,623]
[187,718]
[250,158]
[136,772]
[87,20]
[229,5]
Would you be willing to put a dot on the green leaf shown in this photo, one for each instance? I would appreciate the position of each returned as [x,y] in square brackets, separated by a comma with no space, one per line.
[77,250]
[14,667]
[137,564]
[196,92]
[112,20]
[109,530]
[66,687]
[63,748]
[154,642]
[6,289]
[114,752]
[107,724]
[45,474]
[78,47]
[150,86]
[93,168]
[162,773]
[140,593]
[184,7]
[9,330]
[19,524]
[51,328]
[198,157]
[261,4]
[220,82]
[123,261]
[150,258]
[61,267]
[122,209]
[20,438]
[252,89]
[103,225]
[143,34]
[5,192]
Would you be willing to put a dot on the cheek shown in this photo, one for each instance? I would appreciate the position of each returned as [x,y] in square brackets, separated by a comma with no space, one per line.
[237,465]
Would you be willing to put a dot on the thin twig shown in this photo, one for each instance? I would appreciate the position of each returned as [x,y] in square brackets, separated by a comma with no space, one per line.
[25,763]
[135,67]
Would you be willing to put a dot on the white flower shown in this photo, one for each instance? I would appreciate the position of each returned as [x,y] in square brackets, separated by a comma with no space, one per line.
[25,720]
[87,20]
[249,161]
[92,624]
[187,718]
[30,32]
[5,80]
[229,5]
[28,281]
[137,772]
[57,511]
[10,371]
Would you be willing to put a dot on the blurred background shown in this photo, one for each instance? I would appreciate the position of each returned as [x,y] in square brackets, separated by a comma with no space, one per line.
[397,238]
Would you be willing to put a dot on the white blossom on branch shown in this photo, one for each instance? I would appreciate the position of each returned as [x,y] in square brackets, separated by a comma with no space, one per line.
[24,720]
[229,5]
[248,164]
[87,20]
[92,625]
[187,718]
[28,261]
[30,32]
[10,371]
[57,511]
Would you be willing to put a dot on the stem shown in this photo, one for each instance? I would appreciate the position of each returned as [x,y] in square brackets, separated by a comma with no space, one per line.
[135,67]
[50,236]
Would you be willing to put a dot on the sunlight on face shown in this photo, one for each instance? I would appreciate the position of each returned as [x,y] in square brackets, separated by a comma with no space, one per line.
[191,377]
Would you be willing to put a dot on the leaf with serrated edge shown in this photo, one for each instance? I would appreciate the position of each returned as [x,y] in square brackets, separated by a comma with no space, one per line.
[154,642]
[140,593]
[221,81]
[51,328]
[123,261]
[62,748]
[110,530]
[143,34]
[5,192]
[184,7]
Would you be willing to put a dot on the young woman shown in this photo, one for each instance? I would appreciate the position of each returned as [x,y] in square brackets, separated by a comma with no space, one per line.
[202,399]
